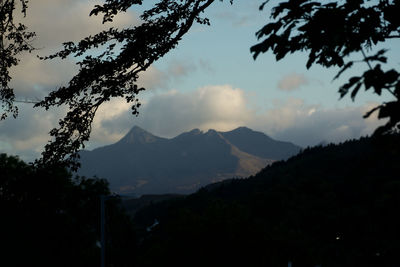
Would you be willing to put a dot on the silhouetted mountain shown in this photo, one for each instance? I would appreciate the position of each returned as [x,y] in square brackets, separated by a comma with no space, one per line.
[259,144]
[139,136]
[143,163]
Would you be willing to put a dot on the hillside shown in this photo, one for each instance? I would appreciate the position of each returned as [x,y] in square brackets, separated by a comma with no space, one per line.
[142,163]
[334,205]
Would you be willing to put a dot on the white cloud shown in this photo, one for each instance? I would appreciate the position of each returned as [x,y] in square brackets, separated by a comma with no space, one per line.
[219,107]
[292,82]
[112,111]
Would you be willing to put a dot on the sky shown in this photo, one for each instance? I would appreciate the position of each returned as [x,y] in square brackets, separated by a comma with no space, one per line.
[210,81]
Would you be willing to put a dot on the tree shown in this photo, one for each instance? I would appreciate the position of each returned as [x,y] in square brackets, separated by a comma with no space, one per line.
[332,32]
[53,219]
[14,39]
[113,73]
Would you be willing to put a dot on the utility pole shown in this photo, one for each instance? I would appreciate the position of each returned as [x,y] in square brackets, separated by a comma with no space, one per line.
[102,229]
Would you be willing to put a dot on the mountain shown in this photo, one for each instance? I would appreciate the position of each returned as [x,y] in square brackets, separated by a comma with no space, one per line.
[139,136]
[259,144]
[142,163]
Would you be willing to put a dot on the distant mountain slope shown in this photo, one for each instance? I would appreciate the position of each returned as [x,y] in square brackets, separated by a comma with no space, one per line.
[143,163]
[259,144]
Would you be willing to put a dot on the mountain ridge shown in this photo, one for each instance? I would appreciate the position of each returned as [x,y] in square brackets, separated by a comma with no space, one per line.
[143,163]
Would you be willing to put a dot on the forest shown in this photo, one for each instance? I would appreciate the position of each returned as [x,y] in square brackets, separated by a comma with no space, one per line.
[332,205]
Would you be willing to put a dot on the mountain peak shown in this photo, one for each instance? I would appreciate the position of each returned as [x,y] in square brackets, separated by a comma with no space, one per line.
[211,132]
[137,135]
[242,129]
[137,129]
[195,131]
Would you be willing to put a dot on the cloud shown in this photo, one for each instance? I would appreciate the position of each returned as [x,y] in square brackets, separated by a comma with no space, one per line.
[29,132]
[237,21]
[292,81]
[219,107]
[243,18]
[34,78]
[307,125]
[224,108]
[181,68]
[155,78]
[56,21]
[112,121]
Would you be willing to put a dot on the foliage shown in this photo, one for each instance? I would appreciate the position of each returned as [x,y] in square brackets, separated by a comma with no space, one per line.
[331,32]
[14,39]
[335,205]
[51,219]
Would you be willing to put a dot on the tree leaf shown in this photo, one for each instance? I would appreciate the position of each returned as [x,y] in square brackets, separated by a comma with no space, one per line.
[344,68]
[355,91]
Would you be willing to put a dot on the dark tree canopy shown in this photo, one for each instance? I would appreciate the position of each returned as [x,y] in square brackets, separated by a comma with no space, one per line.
[332,31]
[306,210]
[49,218]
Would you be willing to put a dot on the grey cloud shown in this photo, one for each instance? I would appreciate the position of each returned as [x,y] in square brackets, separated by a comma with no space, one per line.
[292,82]
[34,78]
[206,66]
[56,21]
[237,21]
[28,133]
[156,78]
[241,19]
[181,68]
[308,125]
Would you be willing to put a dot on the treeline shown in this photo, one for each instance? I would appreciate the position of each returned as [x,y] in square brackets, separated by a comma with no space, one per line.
[335,205]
